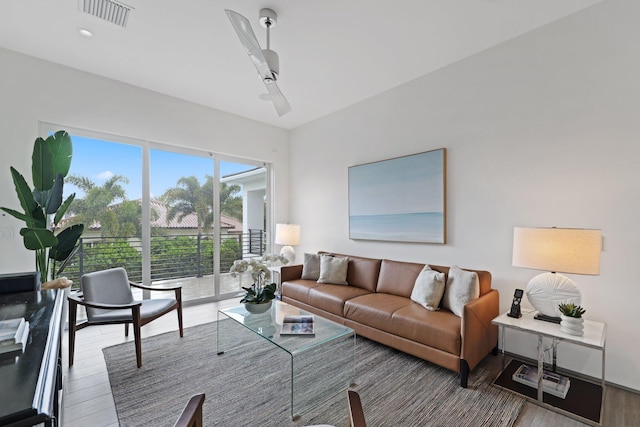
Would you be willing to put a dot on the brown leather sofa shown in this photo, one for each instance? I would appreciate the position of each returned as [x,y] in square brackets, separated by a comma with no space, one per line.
[377,305]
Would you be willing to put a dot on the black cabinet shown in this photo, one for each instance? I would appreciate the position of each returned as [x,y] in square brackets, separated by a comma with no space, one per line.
[31,382]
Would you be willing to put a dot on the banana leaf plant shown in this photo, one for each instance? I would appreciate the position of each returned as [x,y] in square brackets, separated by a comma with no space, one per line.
[43,206]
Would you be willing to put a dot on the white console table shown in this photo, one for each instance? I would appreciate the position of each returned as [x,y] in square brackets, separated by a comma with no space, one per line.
[584,401]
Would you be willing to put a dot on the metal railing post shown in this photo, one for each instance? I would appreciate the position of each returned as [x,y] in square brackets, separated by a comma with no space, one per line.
[199,257]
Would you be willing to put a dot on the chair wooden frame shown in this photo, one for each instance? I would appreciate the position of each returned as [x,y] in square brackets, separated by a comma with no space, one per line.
[137,321]
[356,413]
[191,415]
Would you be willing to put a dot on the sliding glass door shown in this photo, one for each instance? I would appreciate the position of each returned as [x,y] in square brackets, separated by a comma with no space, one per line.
[168,215]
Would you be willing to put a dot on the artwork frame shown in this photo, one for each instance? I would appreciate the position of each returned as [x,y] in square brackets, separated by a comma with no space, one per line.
[402,199]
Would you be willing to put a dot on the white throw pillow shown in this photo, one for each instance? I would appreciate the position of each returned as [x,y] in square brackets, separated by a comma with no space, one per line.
[311,267]
[333,270]
[428,288]
[462,287]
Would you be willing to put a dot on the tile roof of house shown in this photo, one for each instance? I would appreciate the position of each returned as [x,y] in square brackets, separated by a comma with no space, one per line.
[188,222]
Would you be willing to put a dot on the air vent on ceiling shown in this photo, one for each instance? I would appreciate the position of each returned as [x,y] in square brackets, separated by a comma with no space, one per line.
[108,10]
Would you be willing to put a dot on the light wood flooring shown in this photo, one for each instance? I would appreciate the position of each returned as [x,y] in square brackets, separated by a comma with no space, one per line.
[88,400]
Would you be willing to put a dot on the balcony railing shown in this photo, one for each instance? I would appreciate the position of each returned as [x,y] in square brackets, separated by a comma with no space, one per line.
[172,257]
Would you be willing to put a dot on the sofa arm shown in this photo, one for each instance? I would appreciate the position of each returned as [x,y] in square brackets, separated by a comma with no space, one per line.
[290,272]
[479,335]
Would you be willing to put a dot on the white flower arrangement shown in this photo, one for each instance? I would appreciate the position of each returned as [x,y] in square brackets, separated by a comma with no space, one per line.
[273,259]
[259,291]
[259,271]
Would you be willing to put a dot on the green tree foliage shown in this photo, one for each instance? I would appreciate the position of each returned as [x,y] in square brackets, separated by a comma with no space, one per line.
[190,197]
[94,207]
[178,257]
[230,200]
[229,251]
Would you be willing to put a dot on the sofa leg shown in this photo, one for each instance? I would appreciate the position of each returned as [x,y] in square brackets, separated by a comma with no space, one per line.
[464,373]
[495,351]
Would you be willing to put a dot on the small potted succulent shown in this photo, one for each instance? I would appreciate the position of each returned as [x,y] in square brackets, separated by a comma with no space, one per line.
[571,319]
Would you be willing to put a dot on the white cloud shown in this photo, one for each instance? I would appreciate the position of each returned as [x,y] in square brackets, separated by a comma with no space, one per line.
[105,175]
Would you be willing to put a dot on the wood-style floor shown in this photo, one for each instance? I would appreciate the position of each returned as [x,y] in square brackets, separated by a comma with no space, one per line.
[88,400]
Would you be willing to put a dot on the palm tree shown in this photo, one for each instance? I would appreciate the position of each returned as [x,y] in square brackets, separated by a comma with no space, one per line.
[189,197]
[94,207]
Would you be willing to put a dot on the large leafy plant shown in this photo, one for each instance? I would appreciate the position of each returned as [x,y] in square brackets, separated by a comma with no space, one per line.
[43,205]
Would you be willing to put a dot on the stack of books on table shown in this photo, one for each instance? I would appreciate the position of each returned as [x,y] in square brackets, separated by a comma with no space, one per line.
[552,383]
[14,334]
[297,325]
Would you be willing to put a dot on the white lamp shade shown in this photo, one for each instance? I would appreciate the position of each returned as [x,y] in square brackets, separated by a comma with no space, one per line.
[288,234]
[566,250]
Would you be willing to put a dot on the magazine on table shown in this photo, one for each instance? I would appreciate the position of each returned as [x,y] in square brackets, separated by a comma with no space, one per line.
[297,325]
[552,383]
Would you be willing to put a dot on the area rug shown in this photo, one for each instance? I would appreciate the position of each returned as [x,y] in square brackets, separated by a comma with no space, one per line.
[249,386]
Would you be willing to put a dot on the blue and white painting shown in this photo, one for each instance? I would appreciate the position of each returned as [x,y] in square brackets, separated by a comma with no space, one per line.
[401,199]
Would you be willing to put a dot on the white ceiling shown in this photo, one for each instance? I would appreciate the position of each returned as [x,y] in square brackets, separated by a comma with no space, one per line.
[333,53]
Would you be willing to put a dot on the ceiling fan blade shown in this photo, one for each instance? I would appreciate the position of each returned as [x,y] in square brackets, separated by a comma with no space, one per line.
[248,39]
[279,101]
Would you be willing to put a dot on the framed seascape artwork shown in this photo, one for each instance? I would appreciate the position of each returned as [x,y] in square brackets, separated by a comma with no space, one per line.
[400,199]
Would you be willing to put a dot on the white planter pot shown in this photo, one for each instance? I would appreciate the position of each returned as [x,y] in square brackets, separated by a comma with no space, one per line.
[257,308]
[572,325]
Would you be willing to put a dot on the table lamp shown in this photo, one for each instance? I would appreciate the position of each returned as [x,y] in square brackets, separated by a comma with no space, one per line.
[288,235]
[565,250]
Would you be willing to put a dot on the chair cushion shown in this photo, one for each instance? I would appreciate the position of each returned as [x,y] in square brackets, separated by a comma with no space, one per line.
[149,308]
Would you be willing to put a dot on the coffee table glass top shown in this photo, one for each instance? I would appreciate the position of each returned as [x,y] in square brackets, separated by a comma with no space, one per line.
[268,324]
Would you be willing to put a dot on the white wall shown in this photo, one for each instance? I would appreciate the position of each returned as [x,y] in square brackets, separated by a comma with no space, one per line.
[540,131]
[33,91]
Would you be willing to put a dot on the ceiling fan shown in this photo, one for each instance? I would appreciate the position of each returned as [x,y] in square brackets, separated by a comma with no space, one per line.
[266,60]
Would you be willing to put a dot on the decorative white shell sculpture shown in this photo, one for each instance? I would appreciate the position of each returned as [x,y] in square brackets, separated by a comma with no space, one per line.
[546,291]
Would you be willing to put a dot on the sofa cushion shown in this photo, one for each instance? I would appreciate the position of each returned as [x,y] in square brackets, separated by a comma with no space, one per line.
[311,267]
[438,329]
[333,270]
[331,298]
[462,287]
[374,309]
[398,277]
[362,272]
[298,289]
[428,288]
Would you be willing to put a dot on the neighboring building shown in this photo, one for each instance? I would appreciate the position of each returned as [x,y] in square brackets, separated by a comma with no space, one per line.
[185,226]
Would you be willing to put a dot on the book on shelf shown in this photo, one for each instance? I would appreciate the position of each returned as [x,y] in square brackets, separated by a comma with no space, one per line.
[552,383]
[297,325]
[16,343]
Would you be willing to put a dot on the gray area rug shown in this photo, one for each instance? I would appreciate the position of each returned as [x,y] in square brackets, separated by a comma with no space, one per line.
[249,386]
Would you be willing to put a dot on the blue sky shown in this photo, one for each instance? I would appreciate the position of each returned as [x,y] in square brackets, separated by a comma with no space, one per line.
[99,160]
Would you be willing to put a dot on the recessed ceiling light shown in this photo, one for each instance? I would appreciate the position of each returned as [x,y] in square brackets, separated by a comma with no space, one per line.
[84,32]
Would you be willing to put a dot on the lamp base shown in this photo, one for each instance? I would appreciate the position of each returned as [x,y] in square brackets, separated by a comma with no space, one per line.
[546,318]
[548,290]
[288,253]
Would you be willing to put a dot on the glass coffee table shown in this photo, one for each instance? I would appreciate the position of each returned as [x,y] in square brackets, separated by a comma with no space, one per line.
[322,364]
